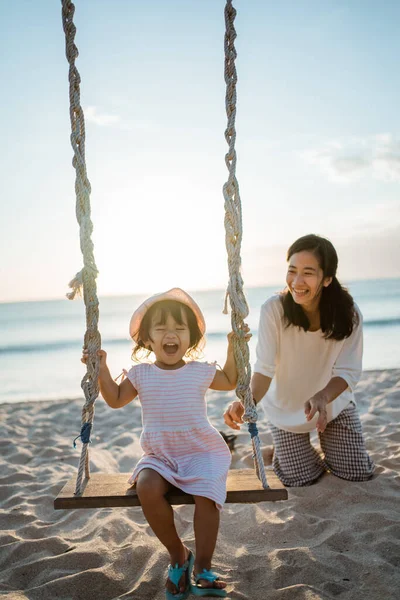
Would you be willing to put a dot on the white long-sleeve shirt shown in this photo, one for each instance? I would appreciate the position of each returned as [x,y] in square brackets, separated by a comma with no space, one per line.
[301,363]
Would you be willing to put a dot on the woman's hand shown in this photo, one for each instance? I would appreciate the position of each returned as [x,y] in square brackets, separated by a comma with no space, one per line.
[101,353]
[233,415]
[317,404]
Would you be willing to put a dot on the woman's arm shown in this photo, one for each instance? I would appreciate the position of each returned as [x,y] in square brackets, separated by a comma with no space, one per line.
[233,416]
[265,365]
[259,386]
[345,374]
[318,403]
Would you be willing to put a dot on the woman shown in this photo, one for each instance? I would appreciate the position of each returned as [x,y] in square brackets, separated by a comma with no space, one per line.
[309,356]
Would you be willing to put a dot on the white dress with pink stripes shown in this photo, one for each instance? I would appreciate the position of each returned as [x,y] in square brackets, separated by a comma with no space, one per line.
[178,440]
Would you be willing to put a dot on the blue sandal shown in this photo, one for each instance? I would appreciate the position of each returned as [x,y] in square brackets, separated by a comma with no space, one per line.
[210,591]
[175,574]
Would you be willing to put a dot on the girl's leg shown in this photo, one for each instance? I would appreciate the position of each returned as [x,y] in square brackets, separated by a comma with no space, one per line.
[206,525]
[151,489]
[343,444]
[296,462]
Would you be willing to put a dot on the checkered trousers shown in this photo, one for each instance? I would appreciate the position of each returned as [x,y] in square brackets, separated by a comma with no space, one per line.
[297,463]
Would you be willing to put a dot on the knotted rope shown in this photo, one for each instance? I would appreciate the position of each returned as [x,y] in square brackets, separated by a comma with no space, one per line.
[86,278]
[233,240]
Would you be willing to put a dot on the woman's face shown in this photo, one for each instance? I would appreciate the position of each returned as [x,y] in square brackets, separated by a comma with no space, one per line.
[305,279]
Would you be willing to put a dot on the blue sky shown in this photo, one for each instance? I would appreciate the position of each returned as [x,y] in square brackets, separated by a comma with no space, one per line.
[318,140]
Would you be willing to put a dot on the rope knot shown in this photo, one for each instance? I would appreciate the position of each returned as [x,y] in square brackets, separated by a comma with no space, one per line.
[253,431]
[250,416]
[84,434]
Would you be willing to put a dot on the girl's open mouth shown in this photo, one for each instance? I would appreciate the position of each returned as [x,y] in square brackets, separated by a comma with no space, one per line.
[170,349]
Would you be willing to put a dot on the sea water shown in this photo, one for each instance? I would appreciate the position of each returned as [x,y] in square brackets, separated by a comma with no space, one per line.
[41,342]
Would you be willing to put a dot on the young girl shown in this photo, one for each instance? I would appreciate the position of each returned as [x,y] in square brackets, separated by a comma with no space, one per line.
[181,447]
[310,348]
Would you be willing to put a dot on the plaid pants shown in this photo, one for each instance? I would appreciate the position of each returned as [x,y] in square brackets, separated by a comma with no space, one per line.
[297,463]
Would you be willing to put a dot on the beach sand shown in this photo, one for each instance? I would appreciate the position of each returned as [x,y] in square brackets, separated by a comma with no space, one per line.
[332,540]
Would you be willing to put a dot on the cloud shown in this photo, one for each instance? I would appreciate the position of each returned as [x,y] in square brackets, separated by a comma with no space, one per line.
[92,116]
[371,255]
[350,160]
[104,120]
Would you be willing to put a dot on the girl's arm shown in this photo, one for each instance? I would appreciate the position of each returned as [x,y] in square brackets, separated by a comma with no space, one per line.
[115,395]
[226,379]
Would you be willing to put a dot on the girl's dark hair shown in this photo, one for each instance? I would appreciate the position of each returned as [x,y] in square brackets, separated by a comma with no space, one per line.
[337,312]
[163,309]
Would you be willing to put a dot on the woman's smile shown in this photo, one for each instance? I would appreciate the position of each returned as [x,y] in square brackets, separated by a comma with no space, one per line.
[300,293]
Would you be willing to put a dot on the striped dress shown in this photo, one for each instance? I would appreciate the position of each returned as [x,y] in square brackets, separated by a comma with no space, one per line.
[177,439]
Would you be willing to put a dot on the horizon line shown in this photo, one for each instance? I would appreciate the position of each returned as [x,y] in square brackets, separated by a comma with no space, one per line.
[192,291]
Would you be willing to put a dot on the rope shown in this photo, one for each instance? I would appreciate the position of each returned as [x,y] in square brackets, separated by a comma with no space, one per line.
[233,240]
[86,278]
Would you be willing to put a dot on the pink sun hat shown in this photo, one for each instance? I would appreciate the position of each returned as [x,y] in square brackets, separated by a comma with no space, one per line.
[175,294]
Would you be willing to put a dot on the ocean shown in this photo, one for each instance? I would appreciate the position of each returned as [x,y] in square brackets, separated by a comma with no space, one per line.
[41,342]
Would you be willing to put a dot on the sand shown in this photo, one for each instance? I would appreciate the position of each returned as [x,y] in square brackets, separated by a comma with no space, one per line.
[332,540]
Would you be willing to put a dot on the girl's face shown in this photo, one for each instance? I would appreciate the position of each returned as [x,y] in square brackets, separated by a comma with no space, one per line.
[170,340]
[305,279]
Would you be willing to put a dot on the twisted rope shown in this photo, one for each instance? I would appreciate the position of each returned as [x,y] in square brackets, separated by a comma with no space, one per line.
[233,241]
[86,278]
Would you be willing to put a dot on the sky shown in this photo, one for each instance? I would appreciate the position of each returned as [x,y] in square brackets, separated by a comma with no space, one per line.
[318,140]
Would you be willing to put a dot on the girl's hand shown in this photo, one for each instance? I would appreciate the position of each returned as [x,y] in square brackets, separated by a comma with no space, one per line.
[317,404]
[101,353]
[246,337]
[233,415]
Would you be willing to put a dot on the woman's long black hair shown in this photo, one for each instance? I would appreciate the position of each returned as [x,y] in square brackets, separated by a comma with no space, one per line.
[337,312]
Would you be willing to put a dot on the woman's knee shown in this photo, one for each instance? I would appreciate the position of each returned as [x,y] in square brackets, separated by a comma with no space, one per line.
[352,467]
[298,475]
[344,448]
[295,461]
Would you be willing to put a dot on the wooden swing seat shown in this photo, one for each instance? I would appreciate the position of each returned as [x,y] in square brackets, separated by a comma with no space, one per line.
[107,490]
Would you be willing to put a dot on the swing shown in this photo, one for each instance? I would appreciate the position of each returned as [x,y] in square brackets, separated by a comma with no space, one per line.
[100,490]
